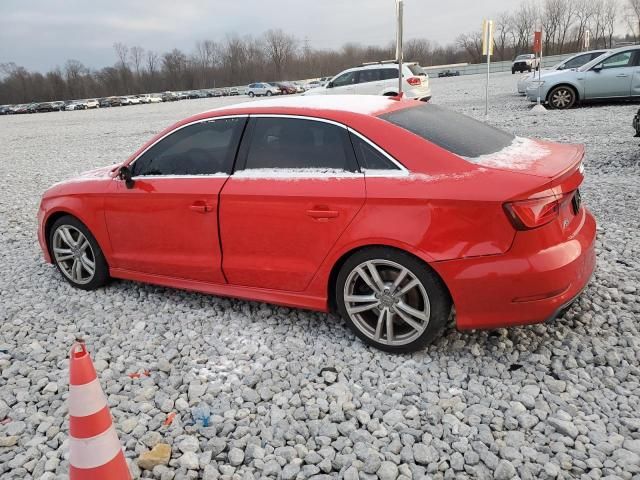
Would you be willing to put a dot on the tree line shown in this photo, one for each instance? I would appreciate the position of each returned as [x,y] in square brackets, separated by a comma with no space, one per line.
[277,55]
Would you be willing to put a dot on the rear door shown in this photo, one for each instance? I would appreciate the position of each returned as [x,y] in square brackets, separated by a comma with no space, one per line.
[167,223]
[615,77]
[295,190]
[369,82]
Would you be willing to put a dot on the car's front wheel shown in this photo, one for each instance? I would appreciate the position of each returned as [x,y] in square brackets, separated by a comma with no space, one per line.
[251,94]
[391,299]
[77,254]
[562,97]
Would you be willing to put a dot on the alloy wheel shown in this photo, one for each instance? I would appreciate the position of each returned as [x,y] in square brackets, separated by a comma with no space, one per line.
[73,254]
[562,98]
[387,302]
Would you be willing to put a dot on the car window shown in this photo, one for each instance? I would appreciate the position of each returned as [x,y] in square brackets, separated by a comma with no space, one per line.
[416,69]
[578,61]
[619,60]
[291,143]
[452,131]
[388,73]
[348,78]
[369,75]
[203,148]
[370,158]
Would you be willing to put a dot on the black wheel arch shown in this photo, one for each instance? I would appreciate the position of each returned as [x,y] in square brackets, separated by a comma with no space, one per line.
[335,270]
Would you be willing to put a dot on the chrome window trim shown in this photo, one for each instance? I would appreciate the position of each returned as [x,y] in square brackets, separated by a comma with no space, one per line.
[401,168]
[202,120]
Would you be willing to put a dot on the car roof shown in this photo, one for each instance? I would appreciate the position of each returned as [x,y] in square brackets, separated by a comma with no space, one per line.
[320,105]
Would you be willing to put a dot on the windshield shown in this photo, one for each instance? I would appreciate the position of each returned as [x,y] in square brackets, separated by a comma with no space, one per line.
[452,131]
[523,57]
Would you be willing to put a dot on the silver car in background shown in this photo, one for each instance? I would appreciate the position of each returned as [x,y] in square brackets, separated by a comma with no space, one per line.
[574,61]
[614,75]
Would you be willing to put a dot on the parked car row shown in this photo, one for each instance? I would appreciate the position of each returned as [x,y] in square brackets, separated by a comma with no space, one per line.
[589,76]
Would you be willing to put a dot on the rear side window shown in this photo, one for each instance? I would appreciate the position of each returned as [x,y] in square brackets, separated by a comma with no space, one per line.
[369,157]
[291,143]
[204,148]
[388,73]
[452,131]
[369,75]
[579,61]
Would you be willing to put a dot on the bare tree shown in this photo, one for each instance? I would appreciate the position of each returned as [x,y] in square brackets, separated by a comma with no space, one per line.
[137,57]
[524,24]
[279,48]
[612,9]
[472,44]
[503,31]
[584,13]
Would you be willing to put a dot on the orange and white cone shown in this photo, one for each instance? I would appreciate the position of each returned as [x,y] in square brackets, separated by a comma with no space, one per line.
[94,448]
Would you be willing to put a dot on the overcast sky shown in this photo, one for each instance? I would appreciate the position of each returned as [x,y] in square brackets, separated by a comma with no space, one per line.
[40,34]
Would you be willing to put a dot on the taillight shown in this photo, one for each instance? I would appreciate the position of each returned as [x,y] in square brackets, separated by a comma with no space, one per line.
[414,81]
[534,213]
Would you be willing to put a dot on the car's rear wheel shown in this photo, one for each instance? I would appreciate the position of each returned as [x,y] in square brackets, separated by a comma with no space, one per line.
[269,93]
[562,97]
[77,254]
[392,300]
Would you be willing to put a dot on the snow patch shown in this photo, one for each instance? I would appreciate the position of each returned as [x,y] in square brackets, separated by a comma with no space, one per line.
[295,173]
[520,155]
[365,104]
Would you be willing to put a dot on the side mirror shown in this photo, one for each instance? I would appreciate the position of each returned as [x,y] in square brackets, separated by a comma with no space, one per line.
[125,174]
[597,67]
[329,85]
[562,67]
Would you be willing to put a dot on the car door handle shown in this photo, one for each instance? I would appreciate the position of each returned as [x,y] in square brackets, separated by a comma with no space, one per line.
[322,213]
[201,207]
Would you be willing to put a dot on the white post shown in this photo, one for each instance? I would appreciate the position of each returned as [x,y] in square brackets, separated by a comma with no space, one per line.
[487,49]
[399,50]
[486,102]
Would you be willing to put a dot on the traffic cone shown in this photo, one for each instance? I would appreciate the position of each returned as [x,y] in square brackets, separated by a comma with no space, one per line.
[94,448]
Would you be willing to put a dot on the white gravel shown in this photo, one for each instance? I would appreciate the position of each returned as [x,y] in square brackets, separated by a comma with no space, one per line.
[293,394]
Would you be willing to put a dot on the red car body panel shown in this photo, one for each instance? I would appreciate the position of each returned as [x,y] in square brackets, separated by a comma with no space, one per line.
[279,240]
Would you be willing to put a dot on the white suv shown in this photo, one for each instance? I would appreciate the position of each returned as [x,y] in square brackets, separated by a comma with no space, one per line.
[258,89]
[378,79]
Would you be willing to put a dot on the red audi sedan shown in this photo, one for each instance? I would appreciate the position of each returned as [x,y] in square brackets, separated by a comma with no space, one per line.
[388,211]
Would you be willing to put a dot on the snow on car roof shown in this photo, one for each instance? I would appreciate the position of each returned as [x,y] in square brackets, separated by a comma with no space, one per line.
[364,104]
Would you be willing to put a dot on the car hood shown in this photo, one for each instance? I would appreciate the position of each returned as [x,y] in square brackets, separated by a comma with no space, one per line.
[555,75]
[83,182]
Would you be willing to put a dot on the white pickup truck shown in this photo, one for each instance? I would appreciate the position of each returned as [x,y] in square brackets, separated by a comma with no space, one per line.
[525,63]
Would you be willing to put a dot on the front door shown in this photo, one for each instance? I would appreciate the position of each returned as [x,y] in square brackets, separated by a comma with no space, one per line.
[167,223]
[614,78]
[295,190]
[344,84]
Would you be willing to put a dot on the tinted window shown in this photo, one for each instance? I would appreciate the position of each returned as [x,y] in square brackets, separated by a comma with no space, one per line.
[345,79]
[370,75]
[578,61]
[388,73]
[452,131]
[203,148]
[296,143]
[369,157]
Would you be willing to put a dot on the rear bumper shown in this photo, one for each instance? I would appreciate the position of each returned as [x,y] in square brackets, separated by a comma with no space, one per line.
[530,284]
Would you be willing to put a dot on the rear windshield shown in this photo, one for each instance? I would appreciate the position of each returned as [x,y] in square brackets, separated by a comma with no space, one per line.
[416,69]
[452,131]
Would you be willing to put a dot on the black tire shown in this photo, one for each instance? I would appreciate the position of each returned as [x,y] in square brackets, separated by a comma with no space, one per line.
[513,71]
[529,69]
[100,274]
[562,97]
[251,94]
[269,93]
[404,338]
[390,94]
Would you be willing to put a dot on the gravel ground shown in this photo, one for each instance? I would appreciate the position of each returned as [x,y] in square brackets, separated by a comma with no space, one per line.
[293,394]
